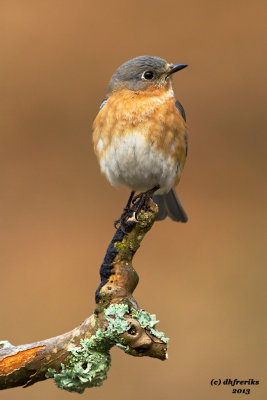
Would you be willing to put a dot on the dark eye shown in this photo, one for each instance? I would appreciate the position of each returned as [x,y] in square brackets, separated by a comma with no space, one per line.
[148,75]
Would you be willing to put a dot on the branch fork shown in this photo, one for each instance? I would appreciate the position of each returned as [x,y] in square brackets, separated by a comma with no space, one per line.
[81,358]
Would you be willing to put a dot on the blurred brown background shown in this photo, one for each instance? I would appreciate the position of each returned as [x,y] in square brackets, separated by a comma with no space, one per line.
[204,280]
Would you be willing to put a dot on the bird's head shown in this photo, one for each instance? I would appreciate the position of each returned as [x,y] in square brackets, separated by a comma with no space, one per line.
[142,73]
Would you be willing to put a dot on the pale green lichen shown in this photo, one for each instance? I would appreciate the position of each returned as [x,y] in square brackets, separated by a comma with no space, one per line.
[121,346]
[149,321]
[88,364]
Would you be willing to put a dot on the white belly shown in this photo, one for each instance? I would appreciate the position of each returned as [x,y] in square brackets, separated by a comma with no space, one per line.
[131,161]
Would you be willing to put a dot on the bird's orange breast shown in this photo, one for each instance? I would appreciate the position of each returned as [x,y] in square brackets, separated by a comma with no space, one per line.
[152,113]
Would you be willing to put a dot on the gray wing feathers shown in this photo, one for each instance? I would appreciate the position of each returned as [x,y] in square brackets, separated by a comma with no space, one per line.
[169,205]
[180,109]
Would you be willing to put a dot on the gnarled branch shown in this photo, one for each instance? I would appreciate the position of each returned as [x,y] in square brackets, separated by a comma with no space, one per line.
[80,358]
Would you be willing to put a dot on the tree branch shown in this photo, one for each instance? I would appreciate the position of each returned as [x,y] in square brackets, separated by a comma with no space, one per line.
[80,358]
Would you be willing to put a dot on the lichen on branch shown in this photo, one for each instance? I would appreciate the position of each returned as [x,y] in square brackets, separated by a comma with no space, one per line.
[81,358]
[88,364]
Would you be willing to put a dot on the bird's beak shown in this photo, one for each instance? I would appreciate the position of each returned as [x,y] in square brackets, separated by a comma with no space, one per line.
[175,68]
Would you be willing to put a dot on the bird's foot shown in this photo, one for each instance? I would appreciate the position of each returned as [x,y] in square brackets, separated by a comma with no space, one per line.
[125,214]
[123,219]
[138,202]
[142,199]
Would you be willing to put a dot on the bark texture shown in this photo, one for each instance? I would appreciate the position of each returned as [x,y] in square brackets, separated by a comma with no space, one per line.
[80,358]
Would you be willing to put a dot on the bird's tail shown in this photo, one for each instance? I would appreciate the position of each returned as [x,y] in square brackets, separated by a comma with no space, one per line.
[170,206]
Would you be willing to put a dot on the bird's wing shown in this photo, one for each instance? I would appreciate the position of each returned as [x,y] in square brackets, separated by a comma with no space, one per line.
[180,109]
[103,103]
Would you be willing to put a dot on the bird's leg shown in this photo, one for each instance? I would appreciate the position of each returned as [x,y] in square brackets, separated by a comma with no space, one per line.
[142,199]
[125,212]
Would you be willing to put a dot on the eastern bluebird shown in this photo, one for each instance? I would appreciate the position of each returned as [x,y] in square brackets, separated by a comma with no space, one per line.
[140,133]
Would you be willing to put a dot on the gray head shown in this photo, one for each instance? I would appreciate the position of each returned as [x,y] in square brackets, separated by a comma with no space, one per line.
[143,72]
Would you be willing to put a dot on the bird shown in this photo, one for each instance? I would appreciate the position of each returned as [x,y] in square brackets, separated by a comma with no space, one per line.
[140,135]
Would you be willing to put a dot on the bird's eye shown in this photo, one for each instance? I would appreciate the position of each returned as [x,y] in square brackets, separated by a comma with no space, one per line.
[148,75]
